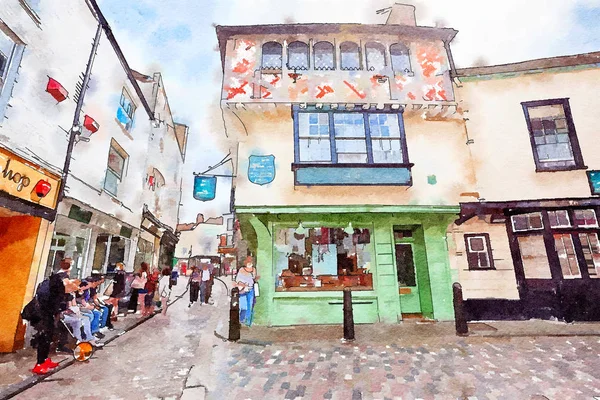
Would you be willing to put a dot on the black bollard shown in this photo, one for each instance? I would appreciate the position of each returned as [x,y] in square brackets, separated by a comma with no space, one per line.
[234,315]
[348,316]
[460,319]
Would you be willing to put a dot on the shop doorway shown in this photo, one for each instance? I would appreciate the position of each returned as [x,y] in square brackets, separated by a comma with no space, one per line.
[414,288]
[109,251]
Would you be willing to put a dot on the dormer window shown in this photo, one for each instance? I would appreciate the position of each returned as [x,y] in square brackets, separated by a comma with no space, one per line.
[298,56]
[323,56]
[375,56]
[400,58]
[349,56]
[271,55]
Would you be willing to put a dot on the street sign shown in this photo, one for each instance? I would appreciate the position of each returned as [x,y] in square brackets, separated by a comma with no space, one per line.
[261,169]
[205,187]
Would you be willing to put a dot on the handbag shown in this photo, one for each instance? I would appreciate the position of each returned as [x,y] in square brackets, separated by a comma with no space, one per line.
[138,282]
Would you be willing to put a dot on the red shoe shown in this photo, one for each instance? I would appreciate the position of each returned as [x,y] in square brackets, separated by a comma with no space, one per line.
[50,364]
[40,369]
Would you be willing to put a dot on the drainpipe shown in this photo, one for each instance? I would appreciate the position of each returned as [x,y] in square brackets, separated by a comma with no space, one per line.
[75,128]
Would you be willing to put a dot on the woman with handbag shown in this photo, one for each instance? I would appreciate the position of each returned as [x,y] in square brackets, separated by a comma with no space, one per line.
[164,288]
[246,281]
[138,286]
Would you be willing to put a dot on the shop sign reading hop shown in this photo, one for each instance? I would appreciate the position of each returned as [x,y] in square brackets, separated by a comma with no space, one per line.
[261,169]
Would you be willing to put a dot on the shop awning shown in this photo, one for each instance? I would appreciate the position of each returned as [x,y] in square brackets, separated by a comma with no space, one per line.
[471,210]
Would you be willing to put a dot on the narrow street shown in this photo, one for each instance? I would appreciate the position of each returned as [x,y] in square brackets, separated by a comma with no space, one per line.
[164,356]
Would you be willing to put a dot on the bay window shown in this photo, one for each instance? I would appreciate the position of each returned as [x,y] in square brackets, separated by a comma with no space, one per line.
[337,140]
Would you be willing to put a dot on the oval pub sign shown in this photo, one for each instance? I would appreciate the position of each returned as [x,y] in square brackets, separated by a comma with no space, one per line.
[261,169]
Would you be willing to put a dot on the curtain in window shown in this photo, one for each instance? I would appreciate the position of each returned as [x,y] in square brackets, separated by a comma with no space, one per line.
[349,56]
[271,55]
[375,56]
[400,58]
[324,59]
[298,56]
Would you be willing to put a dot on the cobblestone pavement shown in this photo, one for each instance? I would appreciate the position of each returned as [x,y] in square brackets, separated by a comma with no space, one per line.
[165,355]
[473,369]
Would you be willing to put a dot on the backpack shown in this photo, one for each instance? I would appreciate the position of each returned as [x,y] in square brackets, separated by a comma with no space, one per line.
[32,312]
[43,291]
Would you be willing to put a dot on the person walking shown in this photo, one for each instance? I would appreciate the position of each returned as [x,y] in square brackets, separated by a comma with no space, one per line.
[204,283]
[118,290]
[138,286]
[52,299]
[151,284]
[194,285]
[164,289]
[245,279]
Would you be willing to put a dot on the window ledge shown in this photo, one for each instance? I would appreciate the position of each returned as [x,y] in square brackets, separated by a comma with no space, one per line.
[315,174]
[31,13]
[560,169]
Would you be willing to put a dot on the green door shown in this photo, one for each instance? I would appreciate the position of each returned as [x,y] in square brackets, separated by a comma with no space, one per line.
[413,274]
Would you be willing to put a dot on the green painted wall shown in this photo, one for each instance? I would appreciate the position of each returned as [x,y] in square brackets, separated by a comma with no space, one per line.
[381,304]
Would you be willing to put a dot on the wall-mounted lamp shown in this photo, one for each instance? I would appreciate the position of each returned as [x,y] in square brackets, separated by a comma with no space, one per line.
[349,229]
[300,229]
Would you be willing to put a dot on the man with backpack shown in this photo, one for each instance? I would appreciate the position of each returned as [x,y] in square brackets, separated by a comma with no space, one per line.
[51,297]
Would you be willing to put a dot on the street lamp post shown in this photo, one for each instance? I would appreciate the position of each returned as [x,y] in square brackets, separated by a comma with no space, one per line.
[75,131]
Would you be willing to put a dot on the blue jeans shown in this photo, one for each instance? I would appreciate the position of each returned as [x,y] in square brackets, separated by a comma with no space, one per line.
[246,307]
[203,287]
[104,317]
[94,316]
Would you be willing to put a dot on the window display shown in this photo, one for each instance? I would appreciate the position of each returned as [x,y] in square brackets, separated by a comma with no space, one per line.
[321,259]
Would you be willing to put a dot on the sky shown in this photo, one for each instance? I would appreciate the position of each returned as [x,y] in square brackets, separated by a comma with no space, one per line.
[178,39]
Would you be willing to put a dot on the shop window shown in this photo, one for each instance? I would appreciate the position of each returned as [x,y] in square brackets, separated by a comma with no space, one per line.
[563,243]
[591,252]
[11,52]
[313,137]
[349,56]
[585,218]
[552,134]
[271,55]
[324,58]
[400,57]
[298,56]
[322,259]
[115,169]
[375,56]
[144,252]
[527,222]
[479,251]
[559,219]
[534,257]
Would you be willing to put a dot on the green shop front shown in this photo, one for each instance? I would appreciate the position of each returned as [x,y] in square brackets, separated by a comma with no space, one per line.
[395,259]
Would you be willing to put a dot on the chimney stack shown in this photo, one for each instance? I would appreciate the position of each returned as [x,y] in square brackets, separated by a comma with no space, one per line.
[402,14]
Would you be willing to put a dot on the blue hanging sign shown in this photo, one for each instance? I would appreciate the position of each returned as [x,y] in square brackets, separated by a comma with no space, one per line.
[594,181]
[205,187]
[261,169]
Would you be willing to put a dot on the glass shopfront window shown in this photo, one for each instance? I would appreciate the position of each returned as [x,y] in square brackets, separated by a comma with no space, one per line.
[323,259]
